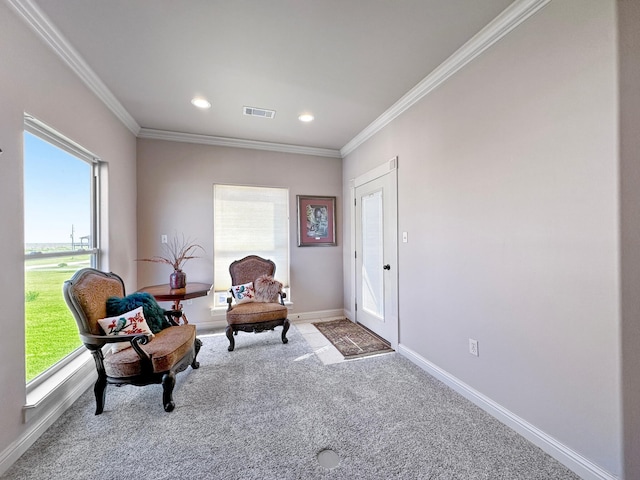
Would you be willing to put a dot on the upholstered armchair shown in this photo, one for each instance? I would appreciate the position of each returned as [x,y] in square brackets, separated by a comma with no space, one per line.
[257,300]
[139,358]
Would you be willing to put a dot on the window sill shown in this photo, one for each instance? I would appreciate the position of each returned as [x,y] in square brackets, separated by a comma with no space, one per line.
[63,387]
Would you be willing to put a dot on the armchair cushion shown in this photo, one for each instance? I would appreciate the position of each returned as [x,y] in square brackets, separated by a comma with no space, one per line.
[129,323]
[153,313]
[243,293]
[256,313]
[165,349]
[267,289]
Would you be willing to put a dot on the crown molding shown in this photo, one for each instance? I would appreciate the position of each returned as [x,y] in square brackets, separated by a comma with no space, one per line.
[510,18]
[236,143]
[47,31]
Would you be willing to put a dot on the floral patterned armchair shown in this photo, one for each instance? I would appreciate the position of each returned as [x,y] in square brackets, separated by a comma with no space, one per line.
[257,301]
[152,358]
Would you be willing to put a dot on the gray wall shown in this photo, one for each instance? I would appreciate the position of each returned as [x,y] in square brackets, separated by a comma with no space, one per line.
[34,80]
[175,194]
[508,189]
[629,61]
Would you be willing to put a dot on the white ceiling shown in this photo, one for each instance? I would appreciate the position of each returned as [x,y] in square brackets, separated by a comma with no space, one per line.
[345,61]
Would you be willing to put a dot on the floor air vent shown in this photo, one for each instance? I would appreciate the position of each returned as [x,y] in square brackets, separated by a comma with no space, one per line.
[259,112]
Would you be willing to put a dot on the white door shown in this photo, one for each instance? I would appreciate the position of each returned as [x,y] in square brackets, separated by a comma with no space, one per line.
[376,265]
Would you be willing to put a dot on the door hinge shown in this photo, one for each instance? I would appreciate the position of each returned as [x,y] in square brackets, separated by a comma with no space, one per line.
[355,202]
[356,306]
[355,254]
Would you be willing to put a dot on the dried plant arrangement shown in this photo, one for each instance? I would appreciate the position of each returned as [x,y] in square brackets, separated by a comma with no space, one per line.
[177,252]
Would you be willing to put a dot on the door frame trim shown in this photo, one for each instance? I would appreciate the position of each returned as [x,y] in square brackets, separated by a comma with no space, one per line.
[390,166]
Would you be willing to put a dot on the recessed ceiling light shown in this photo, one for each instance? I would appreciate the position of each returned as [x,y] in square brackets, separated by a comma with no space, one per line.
[200,102]
[305,117]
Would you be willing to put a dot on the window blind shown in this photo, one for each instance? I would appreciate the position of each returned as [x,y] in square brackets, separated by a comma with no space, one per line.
[249,221]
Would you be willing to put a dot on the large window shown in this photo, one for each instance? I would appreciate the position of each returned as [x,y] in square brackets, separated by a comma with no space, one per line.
[60,234]
[249,221]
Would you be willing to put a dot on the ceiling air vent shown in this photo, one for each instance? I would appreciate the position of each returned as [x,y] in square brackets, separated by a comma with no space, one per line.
[259,112]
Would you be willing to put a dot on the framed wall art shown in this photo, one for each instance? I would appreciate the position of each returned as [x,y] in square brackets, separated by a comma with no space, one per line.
[316,221]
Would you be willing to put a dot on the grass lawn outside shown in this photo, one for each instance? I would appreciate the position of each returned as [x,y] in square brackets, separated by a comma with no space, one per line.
[51,332]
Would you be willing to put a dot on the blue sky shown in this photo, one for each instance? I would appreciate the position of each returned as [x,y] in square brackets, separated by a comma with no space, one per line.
[57,193]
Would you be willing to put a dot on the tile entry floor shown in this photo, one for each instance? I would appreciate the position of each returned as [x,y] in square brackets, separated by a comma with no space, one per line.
[321,346]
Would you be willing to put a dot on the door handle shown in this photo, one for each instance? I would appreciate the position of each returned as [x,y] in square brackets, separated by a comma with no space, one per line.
[387,267]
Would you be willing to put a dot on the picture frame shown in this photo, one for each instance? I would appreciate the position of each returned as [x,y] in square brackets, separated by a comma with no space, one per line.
[316,221]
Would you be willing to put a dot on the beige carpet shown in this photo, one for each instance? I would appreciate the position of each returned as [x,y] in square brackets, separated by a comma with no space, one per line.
[352,340]
[267,411]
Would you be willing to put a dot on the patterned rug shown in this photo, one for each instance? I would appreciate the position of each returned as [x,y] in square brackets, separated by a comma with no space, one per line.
[352,340]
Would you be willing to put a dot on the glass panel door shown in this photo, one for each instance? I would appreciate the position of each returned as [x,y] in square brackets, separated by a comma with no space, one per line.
[372,254]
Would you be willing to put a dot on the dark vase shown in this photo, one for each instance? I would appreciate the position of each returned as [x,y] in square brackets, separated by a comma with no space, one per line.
[178,279]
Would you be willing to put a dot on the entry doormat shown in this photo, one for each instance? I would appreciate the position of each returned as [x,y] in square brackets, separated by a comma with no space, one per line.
[352,340]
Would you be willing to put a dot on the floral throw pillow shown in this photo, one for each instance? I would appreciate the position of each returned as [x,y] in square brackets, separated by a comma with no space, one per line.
[128,323]
[243,293]
[153,313]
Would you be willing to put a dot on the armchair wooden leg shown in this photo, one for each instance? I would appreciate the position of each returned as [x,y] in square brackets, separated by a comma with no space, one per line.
[196,364]
[168,382]
[232,343]
[100,390]
[285,329]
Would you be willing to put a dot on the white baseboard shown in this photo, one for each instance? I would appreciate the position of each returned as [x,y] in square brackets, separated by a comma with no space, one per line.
[319,315]
[214,324]
[58,403]
[570,458]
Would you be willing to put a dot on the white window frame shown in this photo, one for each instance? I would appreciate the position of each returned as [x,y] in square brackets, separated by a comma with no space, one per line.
[49,135]
[221,285]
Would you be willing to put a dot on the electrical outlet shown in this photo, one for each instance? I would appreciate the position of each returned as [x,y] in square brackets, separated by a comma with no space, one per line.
[473,347]
[163,238]
[405,237]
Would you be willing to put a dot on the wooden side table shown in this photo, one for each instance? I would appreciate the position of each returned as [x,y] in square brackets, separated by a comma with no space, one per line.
[164,293]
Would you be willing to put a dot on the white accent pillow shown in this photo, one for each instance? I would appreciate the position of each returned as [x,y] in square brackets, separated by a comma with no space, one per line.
[128,323]
[243,293]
